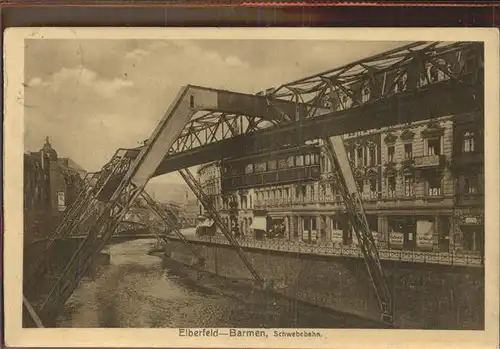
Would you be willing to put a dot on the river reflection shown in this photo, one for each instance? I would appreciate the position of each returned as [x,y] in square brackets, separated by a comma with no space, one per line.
[135,291]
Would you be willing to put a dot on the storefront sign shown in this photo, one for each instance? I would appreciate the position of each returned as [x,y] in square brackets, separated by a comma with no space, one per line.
[337,236]
[396,239]
[425,232]
[61,204]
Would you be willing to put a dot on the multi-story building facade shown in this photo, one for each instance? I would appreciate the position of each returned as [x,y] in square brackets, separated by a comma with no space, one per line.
[51,184]
[421,182]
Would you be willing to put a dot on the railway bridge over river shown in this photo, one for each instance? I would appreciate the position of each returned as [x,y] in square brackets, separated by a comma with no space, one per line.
[423,81]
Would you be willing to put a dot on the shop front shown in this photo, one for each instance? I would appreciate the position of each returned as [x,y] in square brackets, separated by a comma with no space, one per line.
[259,224]
[411,232]
[276,227]
[472,231]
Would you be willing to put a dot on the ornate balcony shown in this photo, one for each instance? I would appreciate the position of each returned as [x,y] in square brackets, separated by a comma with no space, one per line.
[428,161]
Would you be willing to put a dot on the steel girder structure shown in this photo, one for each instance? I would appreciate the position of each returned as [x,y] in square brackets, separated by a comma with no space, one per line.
[344,180]
[81,214]
[391,80]
[208,204]
[123,179]
[290,108]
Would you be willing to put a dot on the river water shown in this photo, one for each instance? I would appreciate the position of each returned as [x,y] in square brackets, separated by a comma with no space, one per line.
[135,291]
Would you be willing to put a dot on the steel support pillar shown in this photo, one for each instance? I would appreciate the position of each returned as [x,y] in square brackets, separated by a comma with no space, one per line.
[208,204]
[159,212]
[335,150]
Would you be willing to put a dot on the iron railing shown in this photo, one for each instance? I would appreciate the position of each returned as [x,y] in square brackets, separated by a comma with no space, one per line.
[453,258]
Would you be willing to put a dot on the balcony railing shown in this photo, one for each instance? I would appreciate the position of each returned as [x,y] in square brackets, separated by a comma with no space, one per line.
[349,251]
[285,202]
[428,161]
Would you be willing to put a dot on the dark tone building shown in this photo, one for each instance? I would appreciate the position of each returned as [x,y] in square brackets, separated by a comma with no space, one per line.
[51,184]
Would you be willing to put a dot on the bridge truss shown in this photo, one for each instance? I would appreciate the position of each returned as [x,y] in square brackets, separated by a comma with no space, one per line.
[202,122]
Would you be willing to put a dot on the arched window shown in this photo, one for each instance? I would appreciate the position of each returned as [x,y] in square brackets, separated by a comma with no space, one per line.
[435,71]
[365,93]
[345,101]
[423,78]
[468,142]
[401,82]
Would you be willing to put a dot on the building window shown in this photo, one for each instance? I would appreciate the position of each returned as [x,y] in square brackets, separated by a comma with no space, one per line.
[434,74]
[373,187]
[434,186]
[408,151]
[365,93]
[434,146]
[312,192]
[290,161]
[282,163]
[346,101]
[359,157]
[468,142]
[372,154]
[471,185]
[299,160]
[308,159]
[408,184]
[271,165]
[260,167]
[391,186]
[422,81]
[401,82]
[390,153]
[249,168]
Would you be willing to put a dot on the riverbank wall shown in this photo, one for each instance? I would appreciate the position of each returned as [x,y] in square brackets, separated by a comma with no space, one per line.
[425,296]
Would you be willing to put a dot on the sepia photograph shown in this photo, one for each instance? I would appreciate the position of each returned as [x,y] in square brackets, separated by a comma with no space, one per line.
[267,188]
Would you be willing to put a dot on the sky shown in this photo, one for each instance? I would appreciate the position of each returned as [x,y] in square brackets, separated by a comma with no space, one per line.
[91,97]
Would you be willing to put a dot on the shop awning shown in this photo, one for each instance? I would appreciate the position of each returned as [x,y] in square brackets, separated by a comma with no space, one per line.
[205,224]
[259,223]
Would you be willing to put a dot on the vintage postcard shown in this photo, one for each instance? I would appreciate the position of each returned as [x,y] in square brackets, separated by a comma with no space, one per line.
[306,188]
